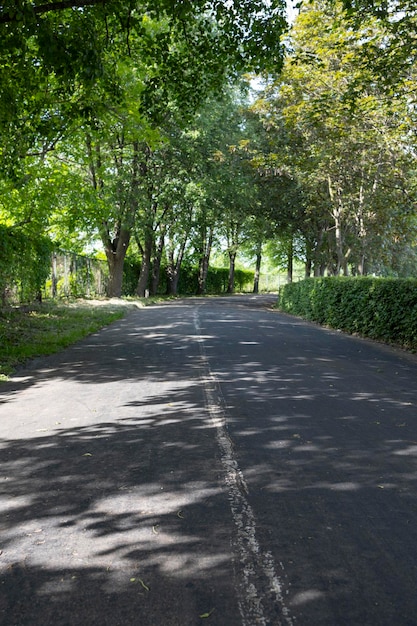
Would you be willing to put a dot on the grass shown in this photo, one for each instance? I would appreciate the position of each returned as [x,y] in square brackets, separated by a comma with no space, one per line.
[48,328]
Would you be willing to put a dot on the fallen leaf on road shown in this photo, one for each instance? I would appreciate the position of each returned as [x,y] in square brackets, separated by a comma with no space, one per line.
[139,580]
[205,615]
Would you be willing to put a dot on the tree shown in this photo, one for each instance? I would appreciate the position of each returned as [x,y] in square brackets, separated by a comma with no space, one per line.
[60,60]
[117,71]
[352,163]
[392,55]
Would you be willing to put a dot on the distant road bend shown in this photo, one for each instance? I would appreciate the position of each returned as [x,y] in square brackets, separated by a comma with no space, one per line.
[210,461]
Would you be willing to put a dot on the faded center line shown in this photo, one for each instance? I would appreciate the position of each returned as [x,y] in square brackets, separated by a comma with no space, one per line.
[254,568]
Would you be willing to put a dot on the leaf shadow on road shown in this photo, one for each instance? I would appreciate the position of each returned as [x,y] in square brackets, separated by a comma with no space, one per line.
[325,431]
[116,512]
[113,523]
[113,506]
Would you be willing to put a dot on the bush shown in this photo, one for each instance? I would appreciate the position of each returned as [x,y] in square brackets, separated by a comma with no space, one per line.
[217,279]
[25,262]
[381,308]
[131,271]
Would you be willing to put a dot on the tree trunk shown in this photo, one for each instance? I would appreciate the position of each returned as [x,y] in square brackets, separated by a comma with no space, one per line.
[204,263]
[173,275]
[337,213]
[290,261]
[115,247]
[172,280]
[257,271]
[341,256]
[231,279]
[116,252]
[54,275]
[145,268]
[156,265]
[309,260]
[362,265]
[173,269]
[202,274]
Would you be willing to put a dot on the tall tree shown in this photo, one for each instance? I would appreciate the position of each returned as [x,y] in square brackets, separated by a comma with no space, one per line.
[60,60]
[68,65]
[351,161]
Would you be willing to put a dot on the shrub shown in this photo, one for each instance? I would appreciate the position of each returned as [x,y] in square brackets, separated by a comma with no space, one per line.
[217,279]
[381,308]
[25,262]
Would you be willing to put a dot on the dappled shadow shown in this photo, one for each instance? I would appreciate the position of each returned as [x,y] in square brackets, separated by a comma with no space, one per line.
[94,596]
[115,510]
[117,522]
[129,348]
[324,427]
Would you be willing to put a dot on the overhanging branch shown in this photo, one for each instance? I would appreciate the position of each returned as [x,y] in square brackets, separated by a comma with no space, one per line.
[52,6]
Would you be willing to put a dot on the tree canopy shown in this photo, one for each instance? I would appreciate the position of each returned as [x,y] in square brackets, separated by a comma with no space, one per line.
[129,126]
[60,58]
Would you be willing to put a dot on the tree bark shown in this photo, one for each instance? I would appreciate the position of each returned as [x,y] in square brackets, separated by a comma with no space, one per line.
[337,212]
[257,271]
[290,261]
[204,262]
[156,265]
[146,253]
[116,252]
[174,268]
[231,279]
[115,246]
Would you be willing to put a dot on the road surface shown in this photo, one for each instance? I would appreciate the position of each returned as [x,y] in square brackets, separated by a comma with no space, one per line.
[210,461]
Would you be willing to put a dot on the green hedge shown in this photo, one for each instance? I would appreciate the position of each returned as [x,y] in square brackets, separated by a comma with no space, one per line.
[25,263]
[381,308]
[217,279]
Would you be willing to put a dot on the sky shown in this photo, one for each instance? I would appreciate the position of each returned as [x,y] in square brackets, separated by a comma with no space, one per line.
[291,10]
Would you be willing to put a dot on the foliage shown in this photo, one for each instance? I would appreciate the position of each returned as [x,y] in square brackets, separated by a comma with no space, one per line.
[131,271]
[62,62]
[392,58]
[217,279]
[89,92]
[25,263]
[119,126]
[352,159]
[380,308]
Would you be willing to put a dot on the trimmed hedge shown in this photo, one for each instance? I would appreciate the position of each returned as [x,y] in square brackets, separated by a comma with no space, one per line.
[217,279]
[384,309]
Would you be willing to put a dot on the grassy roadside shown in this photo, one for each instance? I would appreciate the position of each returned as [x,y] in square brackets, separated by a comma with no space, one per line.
[50,327]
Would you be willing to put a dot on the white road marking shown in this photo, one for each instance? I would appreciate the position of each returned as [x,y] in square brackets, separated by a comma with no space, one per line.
[253,567]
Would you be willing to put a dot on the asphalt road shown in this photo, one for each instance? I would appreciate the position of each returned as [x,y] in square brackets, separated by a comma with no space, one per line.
[210,461]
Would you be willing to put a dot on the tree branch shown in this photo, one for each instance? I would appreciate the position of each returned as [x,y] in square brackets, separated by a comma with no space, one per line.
[52,6]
